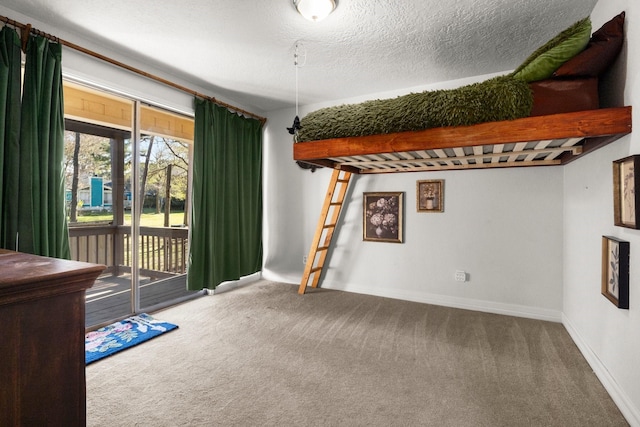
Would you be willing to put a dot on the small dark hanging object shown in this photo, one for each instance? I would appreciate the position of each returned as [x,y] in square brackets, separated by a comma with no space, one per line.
[293,130]
[305,165]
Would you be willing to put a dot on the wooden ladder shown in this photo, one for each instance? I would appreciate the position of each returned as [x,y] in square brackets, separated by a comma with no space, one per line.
[329,215]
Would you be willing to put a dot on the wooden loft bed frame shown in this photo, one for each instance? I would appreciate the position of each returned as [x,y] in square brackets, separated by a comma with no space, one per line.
[537,140]
[531,141]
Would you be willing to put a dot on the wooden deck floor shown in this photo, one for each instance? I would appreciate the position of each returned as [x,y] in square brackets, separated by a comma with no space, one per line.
[110,297]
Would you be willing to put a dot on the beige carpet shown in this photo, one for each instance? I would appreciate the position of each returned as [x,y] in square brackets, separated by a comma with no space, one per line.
[261,355]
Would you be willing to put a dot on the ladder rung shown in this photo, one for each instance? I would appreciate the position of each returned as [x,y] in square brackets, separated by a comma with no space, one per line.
[341,178]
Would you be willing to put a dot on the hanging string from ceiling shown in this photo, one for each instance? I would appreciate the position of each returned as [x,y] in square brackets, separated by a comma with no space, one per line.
[26,29]
[299,60]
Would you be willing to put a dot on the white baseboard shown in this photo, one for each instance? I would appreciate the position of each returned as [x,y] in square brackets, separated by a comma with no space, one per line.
[456,302]
[291,277]
[233,284]
[629,411]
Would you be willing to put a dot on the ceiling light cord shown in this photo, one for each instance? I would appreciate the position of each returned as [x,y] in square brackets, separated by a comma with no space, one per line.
[299,60]
[295,62]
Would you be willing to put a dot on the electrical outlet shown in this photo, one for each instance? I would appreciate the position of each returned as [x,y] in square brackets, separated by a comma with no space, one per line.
[461,276]
[304,259]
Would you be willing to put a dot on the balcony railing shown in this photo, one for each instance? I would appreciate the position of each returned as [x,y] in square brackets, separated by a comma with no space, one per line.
[162,250]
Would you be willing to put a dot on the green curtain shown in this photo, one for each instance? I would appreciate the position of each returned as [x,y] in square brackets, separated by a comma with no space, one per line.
[226,226]
[9,135]
[42,224]
[33,173]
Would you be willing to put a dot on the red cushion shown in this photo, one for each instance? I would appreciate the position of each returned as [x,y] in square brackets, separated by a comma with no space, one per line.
[553,96]
[603,48]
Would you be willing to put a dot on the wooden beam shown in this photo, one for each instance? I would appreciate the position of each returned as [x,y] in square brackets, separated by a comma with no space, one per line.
[592,123]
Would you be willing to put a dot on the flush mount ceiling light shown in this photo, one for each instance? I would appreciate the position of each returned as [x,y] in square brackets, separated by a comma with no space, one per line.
[315,10]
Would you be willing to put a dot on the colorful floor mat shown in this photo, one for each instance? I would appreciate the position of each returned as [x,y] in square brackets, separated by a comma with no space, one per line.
[122,335]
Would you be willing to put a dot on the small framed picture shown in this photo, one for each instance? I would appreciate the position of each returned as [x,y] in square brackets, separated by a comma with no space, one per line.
[383,217]
[615,271]
[430,195]
[626,204]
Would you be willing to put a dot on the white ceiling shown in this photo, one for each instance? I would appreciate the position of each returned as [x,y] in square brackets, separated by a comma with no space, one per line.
[243,50]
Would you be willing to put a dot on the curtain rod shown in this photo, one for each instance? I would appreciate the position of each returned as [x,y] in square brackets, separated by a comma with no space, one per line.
[26,29]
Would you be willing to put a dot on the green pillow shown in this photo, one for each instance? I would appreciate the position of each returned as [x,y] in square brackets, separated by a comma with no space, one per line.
[546,59]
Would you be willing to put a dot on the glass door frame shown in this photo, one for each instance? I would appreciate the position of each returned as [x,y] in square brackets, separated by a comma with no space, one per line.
[136,209]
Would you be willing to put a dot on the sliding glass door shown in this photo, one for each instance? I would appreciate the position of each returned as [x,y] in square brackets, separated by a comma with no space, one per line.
[164,219]
[127,196]
[97,203]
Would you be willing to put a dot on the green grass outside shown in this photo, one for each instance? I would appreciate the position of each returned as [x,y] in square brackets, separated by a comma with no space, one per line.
[149,218]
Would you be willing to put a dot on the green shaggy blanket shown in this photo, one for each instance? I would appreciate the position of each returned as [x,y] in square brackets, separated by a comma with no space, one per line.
[499,98]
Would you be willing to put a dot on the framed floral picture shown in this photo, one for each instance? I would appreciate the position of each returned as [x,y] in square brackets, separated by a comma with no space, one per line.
[626,203]
[430,195]
[615,271]
[383,217]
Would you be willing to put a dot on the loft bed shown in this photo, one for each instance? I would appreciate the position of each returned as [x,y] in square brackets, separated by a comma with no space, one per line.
[544,113]
[554,139]
[547,112]
[545,140]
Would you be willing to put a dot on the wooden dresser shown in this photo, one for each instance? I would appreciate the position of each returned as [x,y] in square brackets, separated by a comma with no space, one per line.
[42,365]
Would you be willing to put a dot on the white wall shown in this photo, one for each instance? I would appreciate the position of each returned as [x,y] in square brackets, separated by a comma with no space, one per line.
[529,238]
[607,336]
[503,227]
[83,68]
[283,203]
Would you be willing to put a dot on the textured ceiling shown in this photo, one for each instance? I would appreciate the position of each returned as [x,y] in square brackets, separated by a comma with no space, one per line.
[243,50]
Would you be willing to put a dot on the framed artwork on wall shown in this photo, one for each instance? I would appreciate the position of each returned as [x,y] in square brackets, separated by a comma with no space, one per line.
[615,271]
[430,195]
[626,204]
[383,217]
